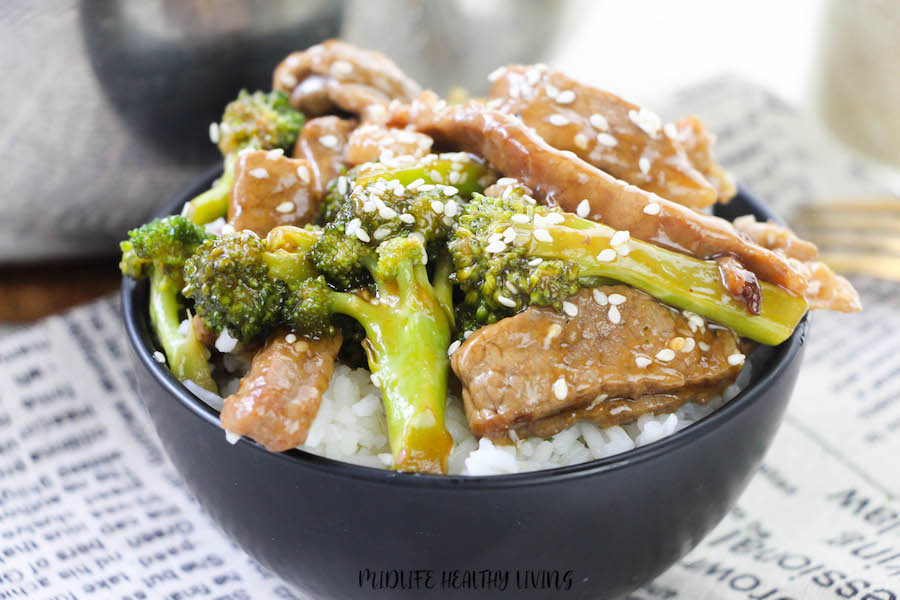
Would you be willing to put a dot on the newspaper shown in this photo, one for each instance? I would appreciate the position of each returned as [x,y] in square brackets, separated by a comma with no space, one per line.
[90,507]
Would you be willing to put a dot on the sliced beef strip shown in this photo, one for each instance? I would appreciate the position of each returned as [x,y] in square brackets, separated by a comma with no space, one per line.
[322,142]
[560,178]
[279,397]
[698,141]
[623,139]
[825,288]
[369,141]
[543,364]
[335,74]
[269,190]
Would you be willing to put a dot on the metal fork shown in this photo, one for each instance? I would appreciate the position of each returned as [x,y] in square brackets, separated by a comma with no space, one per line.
[854,236]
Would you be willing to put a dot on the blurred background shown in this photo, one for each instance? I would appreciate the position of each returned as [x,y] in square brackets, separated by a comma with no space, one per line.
[107,102]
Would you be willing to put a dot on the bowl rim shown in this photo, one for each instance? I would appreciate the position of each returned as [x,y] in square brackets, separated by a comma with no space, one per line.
[137,330]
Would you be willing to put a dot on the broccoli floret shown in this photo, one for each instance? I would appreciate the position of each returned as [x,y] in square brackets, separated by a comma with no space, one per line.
[238,281]
[260,120]
[407,319]
[510,253]
[158,250]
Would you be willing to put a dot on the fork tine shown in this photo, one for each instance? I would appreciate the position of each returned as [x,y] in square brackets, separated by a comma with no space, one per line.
[876,265]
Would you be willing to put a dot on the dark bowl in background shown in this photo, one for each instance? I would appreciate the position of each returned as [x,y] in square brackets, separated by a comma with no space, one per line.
[593,530]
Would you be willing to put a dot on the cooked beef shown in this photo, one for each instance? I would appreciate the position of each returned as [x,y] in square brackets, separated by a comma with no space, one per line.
[825,288]
[623,139]
[369,141]
[322,142]
[532,371]
[204,334]
[271,189]
[335,74]
[560,178]
[697,141]
[278,399]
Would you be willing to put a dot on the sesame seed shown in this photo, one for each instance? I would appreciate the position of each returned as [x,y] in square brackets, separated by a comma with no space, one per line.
[616,299]
[436,176]
[605,139]
[599,121]
[412,186]
[451,208]
[600,298]
[495,246]
[542,235]
[619,238]
[386,212]
[511,287]
[670,130]
[703,346]
[652,208]
[285,207]
[581,141]
[407,218]
[607,255]
[647,120]
[496,74]
[449,190]
[362,235]
[507,181]
[665,355]
[623,249]
[551,90]
[676,343]
[535,262]
[341,68]
[519,218]
[453,347]
[274,153]
[214,132]
[569,308]
[565,97]
[259,173]
[644,164]
[642,362]
[369,206]
[509,302]
[290,338]
[495,236]
[614,316]
[689,344]
[584,207]
[558,120]
[437,206]
[560,388]
[736,359]
[554,218]
[159,357]
[454,177]
[352,226]
[426,187]
[329,141]
[381,233]
[466,334]
[303,174]
[288,80]
[509,234]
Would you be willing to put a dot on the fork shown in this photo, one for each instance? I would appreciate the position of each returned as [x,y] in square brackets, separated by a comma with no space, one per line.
[860,237]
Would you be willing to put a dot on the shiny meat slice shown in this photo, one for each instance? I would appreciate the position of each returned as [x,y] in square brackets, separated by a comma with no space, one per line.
[322,142]
[335,74]
[825,288]
[697,141]
[740,282]
[269,190]
[616,136]
[542,363]
[278,399]
[560,178]
[369,141]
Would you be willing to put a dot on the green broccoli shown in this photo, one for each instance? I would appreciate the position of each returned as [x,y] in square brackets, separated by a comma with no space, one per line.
[407,315]
[158,251]
[255,121]
[510,253]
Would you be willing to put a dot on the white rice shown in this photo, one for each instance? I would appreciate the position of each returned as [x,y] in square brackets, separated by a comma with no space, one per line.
[351,427]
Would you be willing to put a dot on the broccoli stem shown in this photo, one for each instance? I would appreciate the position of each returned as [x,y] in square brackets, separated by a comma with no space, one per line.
[185,354]
[407,335]
[676,279]
[213,203]
[470,178]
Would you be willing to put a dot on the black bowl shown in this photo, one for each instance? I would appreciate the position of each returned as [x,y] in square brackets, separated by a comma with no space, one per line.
[594,530]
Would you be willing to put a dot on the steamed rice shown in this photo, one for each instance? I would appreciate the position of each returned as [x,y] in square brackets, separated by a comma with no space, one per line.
[351,427]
